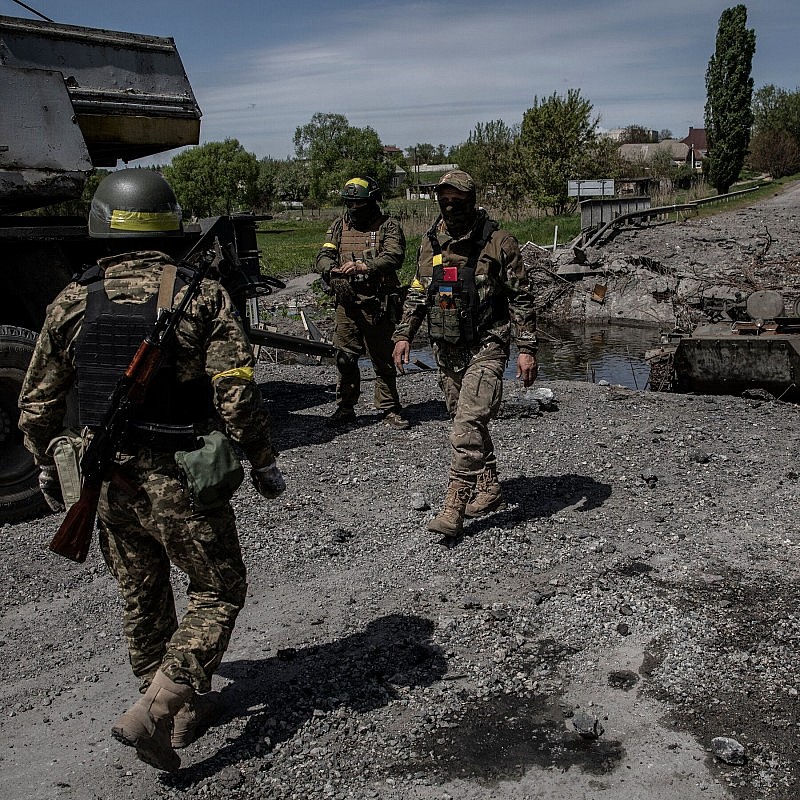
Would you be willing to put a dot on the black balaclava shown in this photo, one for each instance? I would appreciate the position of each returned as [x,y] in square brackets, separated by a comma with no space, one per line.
[458,215]
[363,215]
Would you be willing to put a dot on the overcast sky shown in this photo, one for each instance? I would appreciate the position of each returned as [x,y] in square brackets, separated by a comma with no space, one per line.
[425,71]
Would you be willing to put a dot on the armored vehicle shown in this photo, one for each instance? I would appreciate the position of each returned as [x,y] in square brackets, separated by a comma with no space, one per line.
[756,349]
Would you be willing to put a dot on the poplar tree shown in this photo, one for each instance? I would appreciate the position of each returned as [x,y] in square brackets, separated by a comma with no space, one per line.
[729,91]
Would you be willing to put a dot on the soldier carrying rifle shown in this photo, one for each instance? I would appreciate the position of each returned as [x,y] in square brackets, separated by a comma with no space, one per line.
[155,500]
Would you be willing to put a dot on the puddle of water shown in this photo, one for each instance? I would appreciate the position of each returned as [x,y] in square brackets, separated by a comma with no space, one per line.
[614,353]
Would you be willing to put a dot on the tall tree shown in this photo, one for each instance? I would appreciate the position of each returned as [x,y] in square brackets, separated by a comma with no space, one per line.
[491,156]
[214,178]
[729,91]
[556,138]
[281,180]
[777,109]
[336,151]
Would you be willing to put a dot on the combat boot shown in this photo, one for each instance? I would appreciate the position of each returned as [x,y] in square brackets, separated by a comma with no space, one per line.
[194,717]
[344,415]
[450,520]
[488,495]
[147,724]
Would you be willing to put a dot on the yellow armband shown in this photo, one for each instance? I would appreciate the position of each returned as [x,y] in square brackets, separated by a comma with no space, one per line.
[245,373]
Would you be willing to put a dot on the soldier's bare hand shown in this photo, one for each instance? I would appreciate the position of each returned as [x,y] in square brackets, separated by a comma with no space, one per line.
[401,354]
[527,368]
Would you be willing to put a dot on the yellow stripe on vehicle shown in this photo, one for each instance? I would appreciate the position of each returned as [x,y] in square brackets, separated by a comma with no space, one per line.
[145,221]
[245,373]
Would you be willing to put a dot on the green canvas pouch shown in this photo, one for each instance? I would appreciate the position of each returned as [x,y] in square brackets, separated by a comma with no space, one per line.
[213,472]
[67,451]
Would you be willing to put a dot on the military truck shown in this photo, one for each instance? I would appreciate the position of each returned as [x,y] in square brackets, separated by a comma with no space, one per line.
[74,99]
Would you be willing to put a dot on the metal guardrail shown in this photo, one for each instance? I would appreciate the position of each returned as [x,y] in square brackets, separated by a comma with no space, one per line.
[662,210]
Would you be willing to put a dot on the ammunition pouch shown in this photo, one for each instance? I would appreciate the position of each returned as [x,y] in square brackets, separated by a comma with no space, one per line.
[212,472]
[393,305]
[67,451]
[451,325]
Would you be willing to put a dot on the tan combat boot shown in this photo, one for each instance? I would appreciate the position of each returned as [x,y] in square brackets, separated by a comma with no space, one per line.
[488,495]
[450,519]
[194,717]
[147,724]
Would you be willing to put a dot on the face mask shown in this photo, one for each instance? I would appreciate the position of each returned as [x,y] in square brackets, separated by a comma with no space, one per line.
[362,214]
[458,215]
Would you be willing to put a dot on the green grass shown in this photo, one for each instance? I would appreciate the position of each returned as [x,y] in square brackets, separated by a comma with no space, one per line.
[290,247]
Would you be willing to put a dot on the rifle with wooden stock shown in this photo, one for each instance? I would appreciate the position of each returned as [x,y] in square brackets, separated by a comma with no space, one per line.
[74,535]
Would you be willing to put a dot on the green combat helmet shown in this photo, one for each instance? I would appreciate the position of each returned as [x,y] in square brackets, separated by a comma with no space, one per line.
[362,189]
[136,203]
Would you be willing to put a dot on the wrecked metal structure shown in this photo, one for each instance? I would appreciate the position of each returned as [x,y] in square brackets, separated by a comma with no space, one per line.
[73,99]
[727,330]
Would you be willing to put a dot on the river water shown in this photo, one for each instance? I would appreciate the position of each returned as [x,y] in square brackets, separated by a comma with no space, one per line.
[594,353]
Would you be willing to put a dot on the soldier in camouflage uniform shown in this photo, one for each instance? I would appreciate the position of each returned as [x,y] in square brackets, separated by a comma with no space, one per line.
[362,253]
[473,288]
[146,518]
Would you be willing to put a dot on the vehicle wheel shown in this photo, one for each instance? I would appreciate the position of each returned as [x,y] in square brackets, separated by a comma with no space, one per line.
[20,497]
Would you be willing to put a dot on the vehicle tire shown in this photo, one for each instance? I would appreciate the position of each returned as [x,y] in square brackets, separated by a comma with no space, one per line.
[20,497]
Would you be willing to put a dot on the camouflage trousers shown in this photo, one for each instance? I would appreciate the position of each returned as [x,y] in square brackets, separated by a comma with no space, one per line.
[141,535]
[361,329]
[472,382]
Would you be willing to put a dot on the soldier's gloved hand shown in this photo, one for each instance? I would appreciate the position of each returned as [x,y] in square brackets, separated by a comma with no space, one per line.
[268,481]
[51,488]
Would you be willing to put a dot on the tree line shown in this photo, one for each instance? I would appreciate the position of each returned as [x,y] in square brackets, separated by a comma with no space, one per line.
[523,165]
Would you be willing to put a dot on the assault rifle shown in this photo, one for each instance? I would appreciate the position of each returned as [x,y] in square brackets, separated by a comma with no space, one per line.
[74,536]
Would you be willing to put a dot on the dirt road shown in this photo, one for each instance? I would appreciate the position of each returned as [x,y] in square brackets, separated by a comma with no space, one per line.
[642,580]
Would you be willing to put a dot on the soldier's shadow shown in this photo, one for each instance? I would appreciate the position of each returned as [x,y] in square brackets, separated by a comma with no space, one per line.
[542,496]
[277,695]
[286,400]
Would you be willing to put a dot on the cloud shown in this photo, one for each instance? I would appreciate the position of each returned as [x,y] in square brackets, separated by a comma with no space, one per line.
[429,71]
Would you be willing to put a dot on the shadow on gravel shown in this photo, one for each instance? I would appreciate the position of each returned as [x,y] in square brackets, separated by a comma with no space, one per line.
[288,396]
[277,695]
[542,496]
[291,429]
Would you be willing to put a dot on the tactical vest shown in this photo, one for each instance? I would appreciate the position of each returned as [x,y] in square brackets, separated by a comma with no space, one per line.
[455,314]
[354,244]
[109,337]
[363,245]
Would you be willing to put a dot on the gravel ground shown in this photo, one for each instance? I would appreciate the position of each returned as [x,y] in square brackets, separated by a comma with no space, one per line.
[636,599]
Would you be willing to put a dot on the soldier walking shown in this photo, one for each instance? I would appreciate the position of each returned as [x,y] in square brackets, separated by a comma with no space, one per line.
[362,253]
[472,288]
[147,516]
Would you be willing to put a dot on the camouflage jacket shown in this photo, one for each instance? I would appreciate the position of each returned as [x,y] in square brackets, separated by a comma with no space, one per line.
[210,340]
[383,261]
[499,271]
